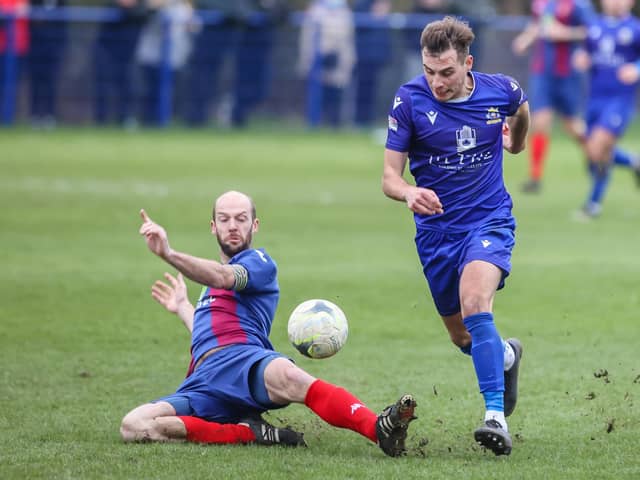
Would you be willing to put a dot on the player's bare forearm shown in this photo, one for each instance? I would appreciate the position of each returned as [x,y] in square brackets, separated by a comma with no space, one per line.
[185,313]
[518,127]
[200,270]
[393,184]
[418,199]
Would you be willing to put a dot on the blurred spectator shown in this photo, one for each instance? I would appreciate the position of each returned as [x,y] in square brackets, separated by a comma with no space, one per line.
[373,52]
[216,39]
[253,57]
[14,45]
[163,49]
[327,56]
[114,54]
[48,41]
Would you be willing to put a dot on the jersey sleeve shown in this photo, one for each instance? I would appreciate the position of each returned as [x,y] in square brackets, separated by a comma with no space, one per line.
[400,122]
[261,269]
[515,93]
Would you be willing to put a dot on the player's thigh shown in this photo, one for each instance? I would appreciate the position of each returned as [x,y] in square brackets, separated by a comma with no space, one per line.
[285,382]
[478,285]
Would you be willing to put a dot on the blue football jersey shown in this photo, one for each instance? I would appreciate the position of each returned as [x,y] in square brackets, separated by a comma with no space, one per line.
[455,147]
[223,317]
[612,42]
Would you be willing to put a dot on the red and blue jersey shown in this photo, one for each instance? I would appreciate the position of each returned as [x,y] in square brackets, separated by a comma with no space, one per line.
[612,42]
[552,57]
[225,317]
[455,148]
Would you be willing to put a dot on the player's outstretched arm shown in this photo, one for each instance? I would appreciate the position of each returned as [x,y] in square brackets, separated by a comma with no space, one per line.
[200,270]
[173,297]
[419,200]
[514,137]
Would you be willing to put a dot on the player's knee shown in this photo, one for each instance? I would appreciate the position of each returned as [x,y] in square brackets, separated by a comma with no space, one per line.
[132,428]
[289,382]
[474,303]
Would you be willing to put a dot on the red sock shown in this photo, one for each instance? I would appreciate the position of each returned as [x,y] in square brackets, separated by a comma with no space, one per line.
[201,431]
[340,408]
[539,144]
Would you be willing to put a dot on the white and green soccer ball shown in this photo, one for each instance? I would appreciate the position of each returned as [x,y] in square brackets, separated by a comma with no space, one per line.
[318,328]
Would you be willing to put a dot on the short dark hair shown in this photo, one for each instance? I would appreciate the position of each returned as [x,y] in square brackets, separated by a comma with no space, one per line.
[450,32]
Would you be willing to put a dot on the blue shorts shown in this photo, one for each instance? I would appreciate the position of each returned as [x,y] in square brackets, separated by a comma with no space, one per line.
[227,386]
[444,256]
[612,113]
[562,94]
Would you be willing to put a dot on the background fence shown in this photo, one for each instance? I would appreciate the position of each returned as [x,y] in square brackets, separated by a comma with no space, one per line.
[83,67]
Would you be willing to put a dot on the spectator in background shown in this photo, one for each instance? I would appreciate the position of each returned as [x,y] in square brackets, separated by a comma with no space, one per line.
[253,57]
[115,48]
[163,49]
[327,56]
[556,30]
[216,38]
[14,45]
[48,42]
[373,52]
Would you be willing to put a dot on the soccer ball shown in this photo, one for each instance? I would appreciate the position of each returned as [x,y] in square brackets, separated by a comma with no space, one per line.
[317,328]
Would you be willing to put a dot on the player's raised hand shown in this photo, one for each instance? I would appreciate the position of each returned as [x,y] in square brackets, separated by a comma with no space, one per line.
[154,235]
[170,295]
[423,201]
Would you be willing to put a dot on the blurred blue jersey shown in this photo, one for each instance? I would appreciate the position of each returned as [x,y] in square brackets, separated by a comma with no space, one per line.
[612,42]
[224,317]
[552,57]
[455,148]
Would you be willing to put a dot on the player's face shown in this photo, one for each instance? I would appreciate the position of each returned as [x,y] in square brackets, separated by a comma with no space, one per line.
[617,8]
[446,75]
[233,224]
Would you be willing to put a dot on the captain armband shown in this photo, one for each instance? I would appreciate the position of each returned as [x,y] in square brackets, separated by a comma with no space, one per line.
[241,277]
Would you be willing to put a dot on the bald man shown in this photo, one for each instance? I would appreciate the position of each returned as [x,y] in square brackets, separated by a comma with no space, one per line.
[235,374]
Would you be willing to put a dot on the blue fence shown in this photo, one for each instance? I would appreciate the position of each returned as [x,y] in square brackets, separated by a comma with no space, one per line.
[283,94]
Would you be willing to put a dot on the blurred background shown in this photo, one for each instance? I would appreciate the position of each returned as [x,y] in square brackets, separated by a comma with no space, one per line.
[224,64]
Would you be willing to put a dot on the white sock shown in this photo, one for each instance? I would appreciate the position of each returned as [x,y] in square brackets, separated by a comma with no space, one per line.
[509,355]
[498,417]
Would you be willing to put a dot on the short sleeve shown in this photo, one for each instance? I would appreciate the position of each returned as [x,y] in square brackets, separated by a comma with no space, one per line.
[400,122]
[261,269]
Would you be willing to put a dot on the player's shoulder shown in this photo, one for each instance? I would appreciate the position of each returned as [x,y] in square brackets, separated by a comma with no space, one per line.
[254,257]
[496,80]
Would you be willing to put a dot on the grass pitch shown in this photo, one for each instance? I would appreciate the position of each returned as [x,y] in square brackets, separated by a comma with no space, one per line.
[82,342]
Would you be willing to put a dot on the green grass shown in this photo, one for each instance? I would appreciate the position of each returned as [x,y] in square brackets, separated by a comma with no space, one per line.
[82,342]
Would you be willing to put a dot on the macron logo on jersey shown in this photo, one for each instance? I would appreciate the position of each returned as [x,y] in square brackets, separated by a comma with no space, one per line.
[486,243]
[432,116]
[396,102]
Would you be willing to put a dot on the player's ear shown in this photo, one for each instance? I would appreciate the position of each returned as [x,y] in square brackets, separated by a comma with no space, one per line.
[255,225]
[213,227]
[469,62]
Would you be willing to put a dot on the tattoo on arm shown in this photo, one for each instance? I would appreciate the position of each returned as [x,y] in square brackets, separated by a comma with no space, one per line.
[241,277]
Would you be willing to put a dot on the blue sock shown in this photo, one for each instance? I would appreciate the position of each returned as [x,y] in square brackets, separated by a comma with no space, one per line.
[600,181]
[487,352]
[625,159]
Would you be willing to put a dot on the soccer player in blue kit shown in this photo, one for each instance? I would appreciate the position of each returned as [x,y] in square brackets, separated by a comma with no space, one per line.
[452,124]
[235,375]
[612,57]
[556,31]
